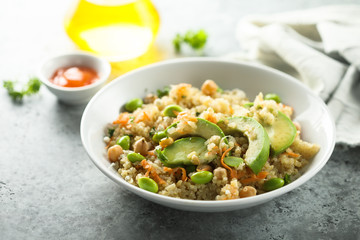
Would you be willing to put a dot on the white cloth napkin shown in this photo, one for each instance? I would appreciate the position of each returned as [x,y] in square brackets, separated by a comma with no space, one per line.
[320,47]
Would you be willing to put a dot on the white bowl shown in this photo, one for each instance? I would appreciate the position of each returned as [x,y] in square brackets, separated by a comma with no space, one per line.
[76,95]
[310,111]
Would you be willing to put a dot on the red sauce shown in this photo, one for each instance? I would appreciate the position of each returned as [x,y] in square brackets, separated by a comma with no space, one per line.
[74,76]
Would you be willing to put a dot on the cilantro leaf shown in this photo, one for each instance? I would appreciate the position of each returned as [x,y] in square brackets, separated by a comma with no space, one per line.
[31,87]
[196,40]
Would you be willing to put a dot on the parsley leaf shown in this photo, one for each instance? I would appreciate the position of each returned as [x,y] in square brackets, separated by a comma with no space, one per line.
[31,87]
[287,179]
[163,92]
[196,40]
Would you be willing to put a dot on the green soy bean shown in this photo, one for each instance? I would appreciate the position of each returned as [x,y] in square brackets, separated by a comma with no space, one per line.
[273,183]
[171,110]
[158,136]
[272,96]
[248,104]
[124,142]
[148,184]
[133,104]
[233,161]
[135,157]
[202,177]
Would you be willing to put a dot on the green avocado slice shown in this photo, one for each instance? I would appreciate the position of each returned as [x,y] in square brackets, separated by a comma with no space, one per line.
[177,153]
[282,133]
[204,129]
[259,144]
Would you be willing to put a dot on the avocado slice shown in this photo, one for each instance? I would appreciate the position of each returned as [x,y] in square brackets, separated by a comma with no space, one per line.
[177,153]
[282,133]
[259,144]
[204,129]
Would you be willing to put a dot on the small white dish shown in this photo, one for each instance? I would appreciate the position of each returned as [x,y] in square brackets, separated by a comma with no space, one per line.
[309,110]
[76,95]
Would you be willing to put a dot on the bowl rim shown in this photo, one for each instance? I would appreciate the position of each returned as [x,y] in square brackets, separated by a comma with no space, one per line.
[102,79]
[210,203]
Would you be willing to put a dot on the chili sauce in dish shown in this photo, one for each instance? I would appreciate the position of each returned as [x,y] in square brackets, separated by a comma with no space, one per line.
[74,76]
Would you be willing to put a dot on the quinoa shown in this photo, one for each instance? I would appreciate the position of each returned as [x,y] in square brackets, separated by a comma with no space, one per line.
[215,107]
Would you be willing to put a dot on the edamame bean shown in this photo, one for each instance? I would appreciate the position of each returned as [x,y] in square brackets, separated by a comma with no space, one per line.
[272,96]
[248,104]
[233,161]
[135,157]
[202,177]
[148,184]
[133,104]
[158,136]
[124,142]
[273,183]
[171,110]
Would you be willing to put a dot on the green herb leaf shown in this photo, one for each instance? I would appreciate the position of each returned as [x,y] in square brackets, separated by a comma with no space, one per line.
[31,87]
[287,179]
[196,40]
[111,132]
[163,92]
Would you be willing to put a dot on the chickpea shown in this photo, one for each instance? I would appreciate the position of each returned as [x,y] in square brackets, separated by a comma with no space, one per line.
[247,191]
[114,153]
[141,146]
[209,87]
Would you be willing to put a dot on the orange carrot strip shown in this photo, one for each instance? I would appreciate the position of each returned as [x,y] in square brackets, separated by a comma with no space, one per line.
[249,180]
[262,175]
[122,119]
[151,153]
[292,154]
[233,172]
[156,177]
[255,178]
[142,116]
[152,171]
[183,177]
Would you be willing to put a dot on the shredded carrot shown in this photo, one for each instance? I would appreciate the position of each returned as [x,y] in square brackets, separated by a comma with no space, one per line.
[156,177]
[262,175]
[167,169]
[151,153]
[182,90]
[292,154]
[186,116]
[152,171]
[183,176]
[122,119]
[142,116]
[175,170]
[233,172]
[211,117]
[255,178]
[231,110]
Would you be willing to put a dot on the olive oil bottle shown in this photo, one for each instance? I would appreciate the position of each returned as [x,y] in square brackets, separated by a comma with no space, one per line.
[118,30]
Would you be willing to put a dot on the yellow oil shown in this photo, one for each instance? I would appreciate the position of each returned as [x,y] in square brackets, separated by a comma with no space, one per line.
[119,30]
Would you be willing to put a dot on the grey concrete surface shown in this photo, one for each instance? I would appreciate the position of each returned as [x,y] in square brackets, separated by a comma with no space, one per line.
[49,189]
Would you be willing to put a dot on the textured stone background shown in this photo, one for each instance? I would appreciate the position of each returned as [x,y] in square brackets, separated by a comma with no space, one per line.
[49,189]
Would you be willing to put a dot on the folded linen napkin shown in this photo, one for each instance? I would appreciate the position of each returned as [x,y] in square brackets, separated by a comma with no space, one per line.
[320,47]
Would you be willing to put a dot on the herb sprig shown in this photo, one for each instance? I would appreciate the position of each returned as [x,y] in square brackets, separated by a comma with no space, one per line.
[196,40]
[31,87]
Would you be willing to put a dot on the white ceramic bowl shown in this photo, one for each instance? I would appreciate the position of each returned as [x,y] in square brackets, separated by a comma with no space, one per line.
[77,95]
[309,111]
